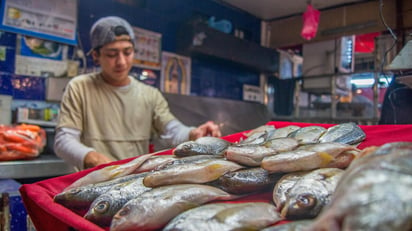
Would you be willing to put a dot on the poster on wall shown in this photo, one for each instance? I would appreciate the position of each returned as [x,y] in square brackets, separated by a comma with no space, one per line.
[54,20]
[38,57]
[175,73]
[148,48]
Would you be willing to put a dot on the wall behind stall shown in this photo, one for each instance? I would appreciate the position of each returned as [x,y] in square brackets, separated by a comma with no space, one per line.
[162,16]
[166,17]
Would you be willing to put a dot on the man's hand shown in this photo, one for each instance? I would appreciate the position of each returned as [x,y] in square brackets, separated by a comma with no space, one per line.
[93,159]
[207,129]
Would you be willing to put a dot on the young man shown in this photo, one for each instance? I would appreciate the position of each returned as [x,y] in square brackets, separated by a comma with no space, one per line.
[109,115]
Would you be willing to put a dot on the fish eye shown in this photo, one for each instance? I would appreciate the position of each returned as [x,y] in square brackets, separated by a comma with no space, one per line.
[75,191]
[306,200]
[187,146]
[102,207]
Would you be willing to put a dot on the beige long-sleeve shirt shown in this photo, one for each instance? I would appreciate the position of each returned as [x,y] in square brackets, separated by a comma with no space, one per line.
[115,121]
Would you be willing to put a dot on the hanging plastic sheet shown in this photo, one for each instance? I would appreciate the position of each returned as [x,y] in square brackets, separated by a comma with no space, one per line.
[310,22]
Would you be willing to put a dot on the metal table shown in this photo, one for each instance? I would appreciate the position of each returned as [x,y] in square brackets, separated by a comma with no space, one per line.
[46,165]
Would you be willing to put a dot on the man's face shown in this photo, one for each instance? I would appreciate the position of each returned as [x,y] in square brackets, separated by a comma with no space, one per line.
[116,60]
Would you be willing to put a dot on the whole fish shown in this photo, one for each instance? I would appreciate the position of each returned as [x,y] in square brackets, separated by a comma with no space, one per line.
[343,153]
[83,196]
[155,208]
[258,136]
[110,172]
[311,156]
[155,162]
[296,160]
[202,146]
[374,193]
[260,130]
[282,144]
[226,217]
[189,160]
[252,155]
[332,148]
[299,225]
[302,195]
[191,173]
[246,181]
[249,155]
[104,207]
[308,135]
[347,133]
[284,131]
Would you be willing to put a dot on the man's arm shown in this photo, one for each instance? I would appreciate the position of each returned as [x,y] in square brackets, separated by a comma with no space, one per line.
[176,132]
[67,146]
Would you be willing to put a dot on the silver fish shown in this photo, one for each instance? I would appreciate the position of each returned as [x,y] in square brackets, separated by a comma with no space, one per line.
[155,162]
[374,193]
[202,146]
[332,148]
[282,144]
[155,208]
[260,130]
[191,173]
[82,197]
[302,195]
[189,160]
[284,131]
[258,136]
[246,181]
[347,133]
[110,172]
[226,217]
[308,135]
[297,160]
[249,155]
[311,156]
[252,155]
[104,207]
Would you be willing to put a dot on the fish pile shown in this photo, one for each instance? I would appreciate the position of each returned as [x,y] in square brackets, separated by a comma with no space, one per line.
[303,168]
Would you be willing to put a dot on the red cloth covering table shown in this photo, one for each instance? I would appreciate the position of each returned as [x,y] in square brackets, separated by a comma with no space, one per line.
[47,215]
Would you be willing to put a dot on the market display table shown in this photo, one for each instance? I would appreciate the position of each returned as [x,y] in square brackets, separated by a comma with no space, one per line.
[47,215]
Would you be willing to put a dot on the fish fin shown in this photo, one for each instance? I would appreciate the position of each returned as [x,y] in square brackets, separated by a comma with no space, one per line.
[326,158]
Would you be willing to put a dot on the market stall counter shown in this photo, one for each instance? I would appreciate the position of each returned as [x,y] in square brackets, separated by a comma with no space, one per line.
[48,215]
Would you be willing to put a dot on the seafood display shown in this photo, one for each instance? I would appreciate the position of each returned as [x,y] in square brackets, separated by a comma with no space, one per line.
[302,195]
[374,193]
[155,208]
[317,178]
[104,207]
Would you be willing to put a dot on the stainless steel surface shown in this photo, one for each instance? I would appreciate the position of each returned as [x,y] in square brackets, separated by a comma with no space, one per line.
[46,165]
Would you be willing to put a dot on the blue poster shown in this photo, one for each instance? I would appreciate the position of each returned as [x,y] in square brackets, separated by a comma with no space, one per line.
[54,20]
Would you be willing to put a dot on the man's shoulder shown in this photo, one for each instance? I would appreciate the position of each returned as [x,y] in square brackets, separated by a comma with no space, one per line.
[144,86]
[83,79]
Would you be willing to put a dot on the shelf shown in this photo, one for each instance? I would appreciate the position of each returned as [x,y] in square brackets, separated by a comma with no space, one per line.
[200,39]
